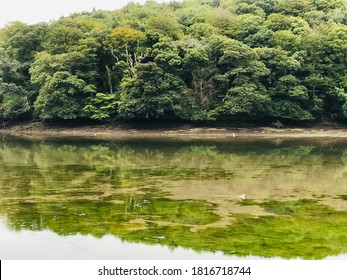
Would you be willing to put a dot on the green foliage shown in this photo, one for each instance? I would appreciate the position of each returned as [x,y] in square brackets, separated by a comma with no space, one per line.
[189,16]
[22,40]
[223,20]
[14,93]
[294,7]
[122,40]
[290,110]
[61,36]
[165,25]
[152,93]
[211,60]
[60,96]
[65,80]
[14,103]
[166,56]
[246,100]
[102,107]
[17,95]
[201,30]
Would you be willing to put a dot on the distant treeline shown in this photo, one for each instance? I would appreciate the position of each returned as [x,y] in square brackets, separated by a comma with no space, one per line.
[197,60]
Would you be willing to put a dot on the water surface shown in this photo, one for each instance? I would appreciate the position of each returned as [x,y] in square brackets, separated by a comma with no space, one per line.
[179,198]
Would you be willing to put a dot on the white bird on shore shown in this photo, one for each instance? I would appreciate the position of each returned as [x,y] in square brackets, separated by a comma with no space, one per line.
[242,196]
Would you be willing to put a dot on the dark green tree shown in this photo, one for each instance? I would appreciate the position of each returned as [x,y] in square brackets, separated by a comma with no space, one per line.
[152,94]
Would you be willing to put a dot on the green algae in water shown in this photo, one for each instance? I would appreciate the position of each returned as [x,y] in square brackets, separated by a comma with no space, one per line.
[308,230]
[175,211]
[296,207]
[85,216]
[308,233]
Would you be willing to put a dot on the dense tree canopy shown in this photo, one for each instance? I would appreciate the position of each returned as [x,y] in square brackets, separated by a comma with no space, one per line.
[196,60]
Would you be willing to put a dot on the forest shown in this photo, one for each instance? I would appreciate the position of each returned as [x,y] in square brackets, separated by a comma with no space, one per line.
[250,61]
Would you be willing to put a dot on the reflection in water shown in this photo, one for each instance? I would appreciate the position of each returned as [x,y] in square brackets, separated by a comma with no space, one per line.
[182,194]
[48,245]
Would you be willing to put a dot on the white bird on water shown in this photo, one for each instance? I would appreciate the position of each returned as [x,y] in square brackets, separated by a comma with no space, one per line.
[241,196]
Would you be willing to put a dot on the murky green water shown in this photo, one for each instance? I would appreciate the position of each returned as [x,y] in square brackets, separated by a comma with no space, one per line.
[230,198]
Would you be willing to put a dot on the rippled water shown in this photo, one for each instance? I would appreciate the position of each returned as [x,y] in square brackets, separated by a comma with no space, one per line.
[182,198]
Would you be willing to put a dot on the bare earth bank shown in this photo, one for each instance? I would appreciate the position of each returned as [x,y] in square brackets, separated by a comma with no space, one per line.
[110,131]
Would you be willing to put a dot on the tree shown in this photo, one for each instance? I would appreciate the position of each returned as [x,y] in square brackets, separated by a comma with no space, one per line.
[279,62]
[247,26]
[238,59]
[14,102]
[328,5]
[17,94]
[240,92]
[195,59]
[323,68]
[223,20]
[278,22]
[61,36]
[202,30]
[289,110]
[196,62]
[166,55]
[246,99]
[191,15]
[14,95]
[288,90]
[287,40]
[23,41]
[60,97]
[125,44]
[102,107]
[164,24]
[65,80]
[294,7]
[290,99]
[152,94]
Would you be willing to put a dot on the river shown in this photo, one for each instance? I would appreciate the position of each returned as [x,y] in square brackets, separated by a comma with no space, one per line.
[173,198]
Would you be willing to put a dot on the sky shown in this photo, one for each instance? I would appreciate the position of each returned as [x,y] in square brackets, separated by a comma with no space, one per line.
[34,11]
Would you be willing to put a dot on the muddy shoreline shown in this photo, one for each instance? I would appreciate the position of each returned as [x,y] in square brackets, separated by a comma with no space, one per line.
[121,130]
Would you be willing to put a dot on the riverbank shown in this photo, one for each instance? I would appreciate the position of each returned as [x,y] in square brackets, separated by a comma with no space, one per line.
[120,130]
